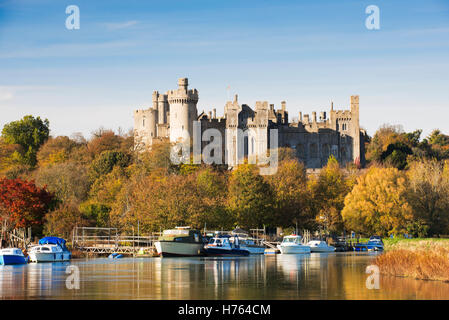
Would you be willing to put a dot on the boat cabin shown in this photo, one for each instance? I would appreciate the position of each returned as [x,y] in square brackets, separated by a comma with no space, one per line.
[181,234]
[292,239]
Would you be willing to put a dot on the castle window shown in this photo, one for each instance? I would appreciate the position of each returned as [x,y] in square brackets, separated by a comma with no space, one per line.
[143,122]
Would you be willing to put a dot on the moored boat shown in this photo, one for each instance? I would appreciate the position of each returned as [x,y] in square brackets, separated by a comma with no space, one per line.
[50,249]
[248,243]
[11,256]
[374,243]
[221,246]
[292,245]
[179,242]
[319,246]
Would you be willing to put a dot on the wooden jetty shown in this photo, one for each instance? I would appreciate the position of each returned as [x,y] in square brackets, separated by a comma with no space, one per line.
[108,240]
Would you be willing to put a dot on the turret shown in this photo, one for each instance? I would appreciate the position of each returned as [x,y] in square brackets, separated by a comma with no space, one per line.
[183,111]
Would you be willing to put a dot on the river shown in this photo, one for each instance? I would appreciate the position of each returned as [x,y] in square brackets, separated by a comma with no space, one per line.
[310,276]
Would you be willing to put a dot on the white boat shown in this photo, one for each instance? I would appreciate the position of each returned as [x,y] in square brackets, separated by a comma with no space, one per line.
[48,253]
[292,245]
[319,246]
[180,241]
[50,249]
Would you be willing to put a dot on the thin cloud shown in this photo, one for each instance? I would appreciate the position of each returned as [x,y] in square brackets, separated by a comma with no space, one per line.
[120,25]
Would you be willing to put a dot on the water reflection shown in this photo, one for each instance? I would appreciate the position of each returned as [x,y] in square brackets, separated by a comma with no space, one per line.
[310,276]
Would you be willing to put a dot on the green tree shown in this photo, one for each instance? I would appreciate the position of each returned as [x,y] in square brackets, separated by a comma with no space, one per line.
[250,197]
[106,161]
[30,133]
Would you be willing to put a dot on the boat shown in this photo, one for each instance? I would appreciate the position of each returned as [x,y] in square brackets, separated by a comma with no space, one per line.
[374,243]
[115,256]
[220,245]
[50,249]
[179,242]
[248,243]
[11,256]
[292,245]
[320,246]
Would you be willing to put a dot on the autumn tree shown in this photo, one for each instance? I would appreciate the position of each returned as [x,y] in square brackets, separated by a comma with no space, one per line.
[56,150]
[22,203]
[428,195]
[104,140]
[30,133]
[328,191]
[291,196]
[378,203]
[61,221]
[69,181]
[250,197]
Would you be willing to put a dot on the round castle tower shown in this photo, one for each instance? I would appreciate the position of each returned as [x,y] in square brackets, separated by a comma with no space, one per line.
[183,111]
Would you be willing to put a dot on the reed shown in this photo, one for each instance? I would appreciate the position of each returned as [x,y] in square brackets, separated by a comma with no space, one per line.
[419,259]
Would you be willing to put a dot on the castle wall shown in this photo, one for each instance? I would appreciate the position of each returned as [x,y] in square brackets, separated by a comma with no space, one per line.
[313,138]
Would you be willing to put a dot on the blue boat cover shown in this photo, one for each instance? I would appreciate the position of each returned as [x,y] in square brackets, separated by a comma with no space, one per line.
[52,240]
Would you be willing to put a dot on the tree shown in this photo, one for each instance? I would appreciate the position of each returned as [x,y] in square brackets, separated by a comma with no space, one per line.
[22,203]
[250,197]
[106,161]
[104,140]
[61,221]
[428,195]
[291,196]
[69,182]
[377,204]
[56,150]
[328,191]
[30,133]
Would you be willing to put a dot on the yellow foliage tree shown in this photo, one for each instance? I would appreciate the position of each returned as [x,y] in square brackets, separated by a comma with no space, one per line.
[378,204]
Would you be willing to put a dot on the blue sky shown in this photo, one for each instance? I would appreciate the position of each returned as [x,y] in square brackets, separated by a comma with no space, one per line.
[308,53]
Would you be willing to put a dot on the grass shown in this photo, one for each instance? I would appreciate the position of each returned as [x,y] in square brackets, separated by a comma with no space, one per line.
[426,259]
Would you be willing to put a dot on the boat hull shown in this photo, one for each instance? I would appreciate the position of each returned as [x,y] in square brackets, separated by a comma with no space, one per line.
[322,249]
[216,252]
[12,260]
[293,249]
[254,249]
[178,249]
[50,256]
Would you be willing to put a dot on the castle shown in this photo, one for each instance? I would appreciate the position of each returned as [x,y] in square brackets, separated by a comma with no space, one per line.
[172,117]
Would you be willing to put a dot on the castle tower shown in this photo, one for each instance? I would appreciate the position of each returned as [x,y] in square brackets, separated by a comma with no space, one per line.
[183,111]
[162,108]
[144,127]
[355,128]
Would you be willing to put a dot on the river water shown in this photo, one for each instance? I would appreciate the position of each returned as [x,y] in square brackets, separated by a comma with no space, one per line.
[310,276]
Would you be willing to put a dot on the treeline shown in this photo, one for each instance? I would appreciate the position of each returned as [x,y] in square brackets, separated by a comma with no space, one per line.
[56,183]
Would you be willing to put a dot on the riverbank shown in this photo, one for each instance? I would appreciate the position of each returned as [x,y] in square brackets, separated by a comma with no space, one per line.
[425,259]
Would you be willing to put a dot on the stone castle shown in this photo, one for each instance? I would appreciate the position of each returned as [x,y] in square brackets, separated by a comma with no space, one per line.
[314,139]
